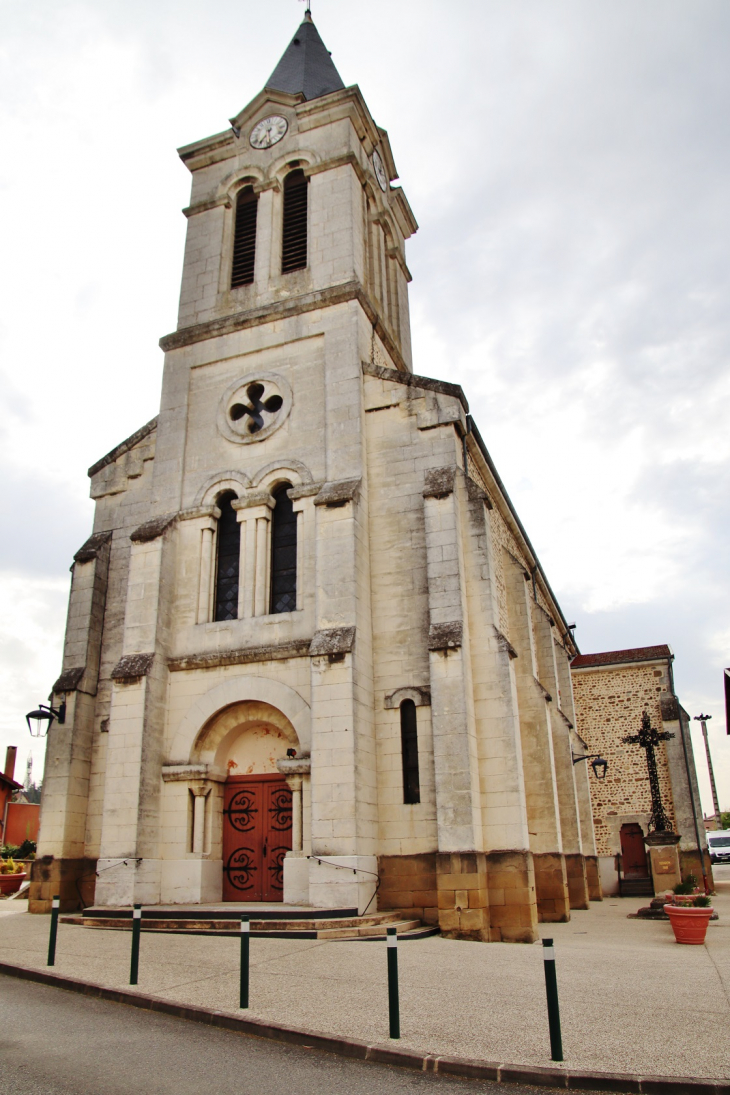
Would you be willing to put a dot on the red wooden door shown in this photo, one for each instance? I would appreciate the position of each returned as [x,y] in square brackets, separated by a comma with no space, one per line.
[633,852]
[256,837]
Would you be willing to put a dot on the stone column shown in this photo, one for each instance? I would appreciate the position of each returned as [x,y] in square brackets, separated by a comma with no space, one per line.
[200,801]
[254,515]
[344,777]
[296,865]
[560,727]
[461,870]
[543,809]
[130,854]
[587,831]
[61,864]
[303,505]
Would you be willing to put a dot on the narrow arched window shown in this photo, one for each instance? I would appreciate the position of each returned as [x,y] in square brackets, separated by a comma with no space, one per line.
[283,553]
[294,232]
[409,752]
[244,240]
[228,552]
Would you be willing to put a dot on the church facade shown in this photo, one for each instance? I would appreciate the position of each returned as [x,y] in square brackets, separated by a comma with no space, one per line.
[311,654]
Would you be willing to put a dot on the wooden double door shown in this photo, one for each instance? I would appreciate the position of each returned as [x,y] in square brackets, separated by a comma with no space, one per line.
[257,832]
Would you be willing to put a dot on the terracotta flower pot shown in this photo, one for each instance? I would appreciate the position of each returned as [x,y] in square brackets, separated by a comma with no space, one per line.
[689,924]
[10,883]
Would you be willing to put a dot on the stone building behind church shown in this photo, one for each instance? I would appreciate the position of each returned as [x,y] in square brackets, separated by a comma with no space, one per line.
[612,690]
[311,654]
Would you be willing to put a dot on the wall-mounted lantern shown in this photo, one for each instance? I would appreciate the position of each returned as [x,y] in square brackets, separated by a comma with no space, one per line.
[598,763]
[39,721]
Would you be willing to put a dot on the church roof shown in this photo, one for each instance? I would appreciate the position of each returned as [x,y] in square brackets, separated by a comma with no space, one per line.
[306,67]
[621,657]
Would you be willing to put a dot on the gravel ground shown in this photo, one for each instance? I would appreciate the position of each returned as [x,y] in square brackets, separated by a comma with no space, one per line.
[632,1000]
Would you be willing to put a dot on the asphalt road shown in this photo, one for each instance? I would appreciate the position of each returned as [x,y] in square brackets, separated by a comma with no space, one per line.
[54,1042]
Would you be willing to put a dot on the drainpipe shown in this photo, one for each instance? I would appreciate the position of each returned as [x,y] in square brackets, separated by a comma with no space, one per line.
[689,781]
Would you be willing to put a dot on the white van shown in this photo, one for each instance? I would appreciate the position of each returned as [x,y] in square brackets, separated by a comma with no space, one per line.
[719,845]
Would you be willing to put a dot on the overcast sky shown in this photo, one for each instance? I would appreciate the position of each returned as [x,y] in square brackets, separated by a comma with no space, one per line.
[568,162]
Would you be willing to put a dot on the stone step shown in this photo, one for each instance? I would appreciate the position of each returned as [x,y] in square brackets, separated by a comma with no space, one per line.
[636,887]
[231,924]
[366,930]
[351,927]
[225,911]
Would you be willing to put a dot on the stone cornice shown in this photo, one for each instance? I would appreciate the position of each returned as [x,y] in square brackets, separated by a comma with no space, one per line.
[122,447]
[279,652]
[412,380]
[285,309]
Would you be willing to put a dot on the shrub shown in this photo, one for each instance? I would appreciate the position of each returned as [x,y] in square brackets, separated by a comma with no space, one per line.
[702,901]
[687,885]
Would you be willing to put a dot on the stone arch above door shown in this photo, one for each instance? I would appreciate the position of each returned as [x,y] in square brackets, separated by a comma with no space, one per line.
[239,690]
[245,739]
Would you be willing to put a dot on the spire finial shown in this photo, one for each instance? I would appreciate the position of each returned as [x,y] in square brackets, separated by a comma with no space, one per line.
[308,10]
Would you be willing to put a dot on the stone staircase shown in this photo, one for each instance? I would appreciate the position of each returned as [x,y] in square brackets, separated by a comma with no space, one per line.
[636,887]
[273,921]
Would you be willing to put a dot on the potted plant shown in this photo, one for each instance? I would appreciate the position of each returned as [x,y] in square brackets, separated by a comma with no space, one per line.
[12,874]
[689,913]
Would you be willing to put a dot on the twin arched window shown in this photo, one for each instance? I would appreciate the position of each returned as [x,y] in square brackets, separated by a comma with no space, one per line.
[293,235]
[283,570]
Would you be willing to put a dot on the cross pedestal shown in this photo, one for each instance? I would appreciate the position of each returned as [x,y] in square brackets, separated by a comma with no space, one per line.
[663,848]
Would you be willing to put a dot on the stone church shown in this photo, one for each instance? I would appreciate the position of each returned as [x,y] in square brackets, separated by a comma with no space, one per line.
[311,655]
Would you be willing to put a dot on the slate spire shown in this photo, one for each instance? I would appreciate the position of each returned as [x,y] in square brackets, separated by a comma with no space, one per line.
[306,66]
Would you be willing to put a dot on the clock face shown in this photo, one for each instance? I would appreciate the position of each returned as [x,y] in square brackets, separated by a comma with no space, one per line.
[380,171]
[269,131]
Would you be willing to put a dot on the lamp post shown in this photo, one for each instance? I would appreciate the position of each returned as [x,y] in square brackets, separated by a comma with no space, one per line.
[648,738]
[703,720]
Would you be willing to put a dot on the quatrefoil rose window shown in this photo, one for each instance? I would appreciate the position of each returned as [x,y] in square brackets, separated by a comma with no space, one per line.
[253,407]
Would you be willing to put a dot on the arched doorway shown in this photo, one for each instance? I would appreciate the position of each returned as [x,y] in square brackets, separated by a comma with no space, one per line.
[245,741]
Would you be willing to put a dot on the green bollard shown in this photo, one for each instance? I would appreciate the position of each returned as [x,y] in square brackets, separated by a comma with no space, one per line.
[245,938]
[551,988]
[393,1004]
[136,931]
[55,909]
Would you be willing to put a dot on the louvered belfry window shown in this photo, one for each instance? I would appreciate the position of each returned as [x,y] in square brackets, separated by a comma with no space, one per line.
[244,240]
[294,235]
[227,560]
[283,553]
[409,750]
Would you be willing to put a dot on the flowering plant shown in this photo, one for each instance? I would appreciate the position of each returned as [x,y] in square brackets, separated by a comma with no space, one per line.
[9,866]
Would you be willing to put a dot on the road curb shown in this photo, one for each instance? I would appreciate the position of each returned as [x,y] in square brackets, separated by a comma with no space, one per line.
[571,1079]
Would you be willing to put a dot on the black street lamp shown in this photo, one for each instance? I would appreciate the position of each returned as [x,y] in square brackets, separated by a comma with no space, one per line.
[598,763]
[39,721]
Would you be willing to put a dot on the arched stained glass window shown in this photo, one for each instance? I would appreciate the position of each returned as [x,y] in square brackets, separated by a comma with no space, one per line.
[228,552]
[409,751]
[283,553]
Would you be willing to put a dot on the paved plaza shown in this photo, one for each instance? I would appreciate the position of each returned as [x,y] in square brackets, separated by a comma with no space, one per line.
[632,1000]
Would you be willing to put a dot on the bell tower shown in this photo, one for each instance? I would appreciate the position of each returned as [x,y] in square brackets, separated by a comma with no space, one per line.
[303,166]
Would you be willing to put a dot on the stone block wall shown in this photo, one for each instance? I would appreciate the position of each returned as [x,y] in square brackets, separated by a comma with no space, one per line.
[609,704]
